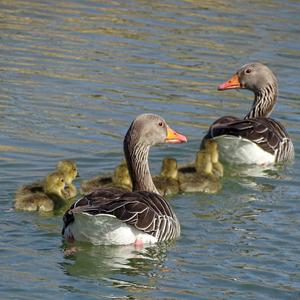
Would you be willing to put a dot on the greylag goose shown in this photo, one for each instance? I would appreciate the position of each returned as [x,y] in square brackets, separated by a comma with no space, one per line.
[52,196]
[255,139]
[200,177]
[67,167]
[167,181]
[110,216]
[120,179]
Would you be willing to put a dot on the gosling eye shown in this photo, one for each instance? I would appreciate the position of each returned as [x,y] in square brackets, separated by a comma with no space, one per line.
[248,71]
[62,180]
[160,124]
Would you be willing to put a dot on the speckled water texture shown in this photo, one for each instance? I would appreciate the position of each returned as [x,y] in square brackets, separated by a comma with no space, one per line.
[73,76]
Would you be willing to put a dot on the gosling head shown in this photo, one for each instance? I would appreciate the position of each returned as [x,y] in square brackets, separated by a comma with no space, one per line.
[55,184]
[212,148]
[121,175]
[169,168]
[203,163]
[69,169]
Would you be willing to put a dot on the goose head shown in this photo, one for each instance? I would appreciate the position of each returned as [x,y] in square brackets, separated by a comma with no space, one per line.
[145,131]
[252,76]
[69,169]
[149,130]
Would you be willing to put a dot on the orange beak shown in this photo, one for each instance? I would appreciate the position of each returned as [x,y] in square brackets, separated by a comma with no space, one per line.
[174,137]
[232,83]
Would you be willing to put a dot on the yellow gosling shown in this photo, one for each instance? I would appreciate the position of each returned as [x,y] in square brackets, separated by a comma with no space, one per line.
[203,163]
[69,169]
[167,182]
[200,177]
[120,179]
[52,197]
[212,148]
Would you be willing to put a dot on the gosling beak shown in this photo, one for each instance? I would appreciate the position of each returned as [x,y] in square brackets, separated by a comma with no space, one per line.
[232,83]
[77,175]
[174,137]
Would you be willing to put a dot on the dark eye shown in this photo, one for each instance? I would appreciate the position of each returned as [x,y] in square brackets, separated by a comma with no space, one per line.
[62,180]
[248,71]
[160,124]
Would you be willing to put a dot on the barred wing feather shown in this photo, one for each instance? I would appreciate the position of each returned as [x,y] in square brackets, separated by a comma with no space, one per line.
[146,211]
[267,133]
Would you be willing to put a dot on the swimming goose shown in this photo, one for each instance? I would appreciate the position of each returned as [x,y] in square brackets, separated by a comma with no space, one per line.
[200,177]
[67,167]
[52,195]
[255,139]
[110,216]
[120,179]
[167,181]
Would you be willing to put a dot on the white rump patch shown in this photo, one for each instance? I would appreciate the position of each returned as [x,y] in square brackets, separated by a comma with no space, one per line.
[105,229]
[237,150]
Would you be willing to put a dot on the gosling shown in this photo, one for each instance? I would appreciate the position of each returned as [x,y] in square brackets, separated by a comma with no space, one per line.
[51,197]
[200,177]
[68,168]
[70,171]
[119,179]
[212,148]
[167,182]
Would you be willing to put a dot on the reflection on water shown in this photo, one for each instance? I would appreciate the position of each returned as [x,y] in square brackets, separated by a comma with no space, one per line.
[74,74]
[118,265]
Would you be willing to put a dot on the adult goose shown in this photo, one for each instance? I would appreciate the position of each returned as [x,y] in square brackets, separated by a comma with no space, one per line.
[255,139]
[110,216]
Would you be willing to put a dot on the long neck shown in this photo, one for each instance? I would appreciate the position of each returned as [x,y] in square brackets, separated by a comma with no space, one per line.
[136,155]
[264,101]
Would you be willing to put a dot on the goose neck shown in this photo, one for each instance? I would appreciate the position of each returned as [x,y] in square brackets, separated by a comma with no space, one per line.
[137,160]
[264,101]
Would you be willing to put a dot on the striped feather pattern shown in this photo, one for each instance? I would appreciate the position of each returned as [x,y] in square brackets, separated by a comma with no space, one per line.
[147,212]
[267,133]
[256,126]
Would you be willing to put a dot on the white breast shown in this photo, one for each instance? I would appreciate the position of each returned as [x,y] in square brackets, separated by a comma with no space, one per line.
[237,150]
[104,229]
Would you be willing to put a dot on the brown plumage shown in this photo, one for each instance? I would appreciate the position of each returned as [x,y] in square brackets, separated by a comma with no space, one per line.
[256,127]
[143,209]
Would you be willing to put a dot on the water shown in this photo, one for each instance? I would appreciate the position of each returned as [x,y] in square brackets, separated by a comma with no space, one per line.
[73,76]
